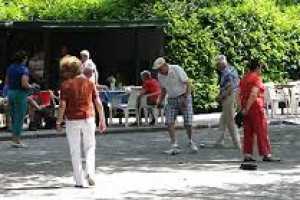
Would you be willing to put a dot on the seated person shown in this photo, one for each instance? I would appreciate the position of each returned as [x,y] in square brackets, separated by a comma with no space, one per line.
[43,110]
[150,88]
[33,110]
[33,106]
[36,66]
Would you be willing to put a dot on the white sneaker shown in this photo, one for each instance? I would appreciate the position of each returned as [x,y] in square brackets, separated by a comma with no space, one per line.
[174,150]
[193,147]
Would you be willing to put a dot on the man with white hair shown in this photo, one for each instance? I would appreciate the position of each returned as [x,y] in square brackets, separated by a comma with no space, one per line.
[90,65]
[175,82]
[228,86]
[89,70]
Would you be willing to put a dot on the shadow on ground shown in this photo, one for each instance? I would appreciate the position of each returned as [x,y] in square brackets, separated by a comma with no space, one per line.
[213,173]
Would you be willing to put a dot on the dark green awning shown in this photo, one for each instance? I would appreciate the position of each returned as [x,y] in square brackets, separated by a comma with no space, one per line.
[81,25]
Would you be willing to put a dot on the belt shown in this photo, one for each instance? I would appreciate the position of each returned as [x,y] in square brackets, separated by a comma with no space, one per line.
[179,96]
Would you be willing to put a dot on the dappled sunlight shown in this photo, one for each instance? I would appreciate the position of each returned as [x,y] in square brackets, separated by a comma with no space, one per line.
[132,166]
[183,183]
[157,181]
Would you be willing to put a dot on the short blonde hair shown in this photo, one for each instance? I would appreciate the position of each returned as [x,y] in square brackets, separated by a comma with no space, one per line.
[71,65]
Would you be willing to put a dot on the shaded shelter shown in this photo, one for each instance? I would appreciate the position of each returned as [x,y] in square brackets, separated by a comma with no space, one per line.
[122,49]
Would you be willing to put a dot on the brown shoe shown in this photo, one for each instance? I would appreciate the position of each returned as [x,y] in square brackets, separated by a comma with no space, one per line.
[90,181]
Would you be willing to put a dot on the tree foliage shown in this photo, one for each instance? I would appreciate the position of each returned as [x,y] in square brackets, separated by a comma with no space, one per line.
[238,29]
[197,31]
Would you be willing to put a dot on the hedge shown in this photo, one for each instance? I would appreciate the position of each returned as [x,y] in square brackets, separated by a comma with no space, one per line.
[240,30]
[197,31]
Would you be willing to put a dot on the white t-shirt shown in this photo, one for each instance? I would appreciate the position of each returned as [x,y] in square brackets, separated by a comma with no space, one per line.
[175,82]
[91,65]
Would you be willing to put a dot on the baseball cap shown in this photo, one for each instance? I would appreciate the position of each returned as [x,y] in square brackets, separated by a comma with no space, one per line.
[158,62]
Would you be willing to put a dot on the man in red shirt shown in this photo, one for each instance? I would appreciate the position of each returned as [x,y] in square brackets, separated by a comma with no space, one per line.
[151,89]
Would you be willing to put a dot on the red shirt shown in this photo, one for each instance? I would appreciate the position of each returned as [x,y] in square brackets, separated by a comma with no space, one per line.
[250,80]
[79,94]
[149,86]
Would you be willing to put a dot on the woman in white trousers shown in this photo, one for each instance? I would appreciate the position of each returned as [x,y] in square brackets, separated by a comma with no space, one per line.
[78,96]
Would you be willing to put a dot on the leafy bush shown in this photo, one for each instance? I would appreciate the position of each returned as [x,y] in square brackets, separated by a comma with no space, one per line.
[197,31]
[240,30]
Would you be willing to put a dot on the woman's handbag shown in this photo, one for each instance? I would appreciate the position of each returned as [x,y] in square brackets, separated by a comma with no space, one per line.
[239,118]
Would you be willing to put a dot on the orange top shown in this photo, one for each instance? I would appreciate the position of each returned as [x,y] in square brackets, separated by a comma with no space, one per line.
[79,94]
[250,80]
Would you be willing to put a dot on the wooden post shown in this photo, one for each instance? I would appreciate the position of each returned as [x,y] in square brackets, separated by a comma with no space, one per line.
[3,59]
[137,57]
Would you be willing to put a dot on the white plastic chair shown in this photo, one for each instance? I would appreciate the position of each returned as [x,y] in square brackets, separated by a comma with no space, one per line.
[115,103]
[295,99]
[2,120]
[2,115]
[269,93]
[158,111]
[273,97]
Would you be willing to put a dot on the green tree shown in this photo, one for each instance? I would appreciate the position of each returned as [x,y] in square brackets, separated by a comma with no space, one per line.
[197,31]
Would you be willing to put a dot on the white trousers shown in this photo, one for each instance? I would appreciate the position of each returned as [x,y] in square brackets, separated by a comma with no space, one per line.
[79,131]
[227,120]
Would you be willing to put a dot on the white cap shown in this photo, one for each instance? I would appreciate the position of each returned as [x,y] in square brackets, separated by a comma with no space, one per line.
[85,52]
[158,62]
[221,59]
[145,72]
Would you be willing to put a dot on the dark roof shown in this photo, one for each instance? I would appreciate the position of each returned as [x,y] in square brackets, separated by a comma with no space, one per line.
[38,25]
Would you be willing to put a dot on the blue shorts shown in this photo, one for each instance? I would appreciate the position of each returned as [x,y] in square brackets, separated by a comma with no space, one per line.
[174,106]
